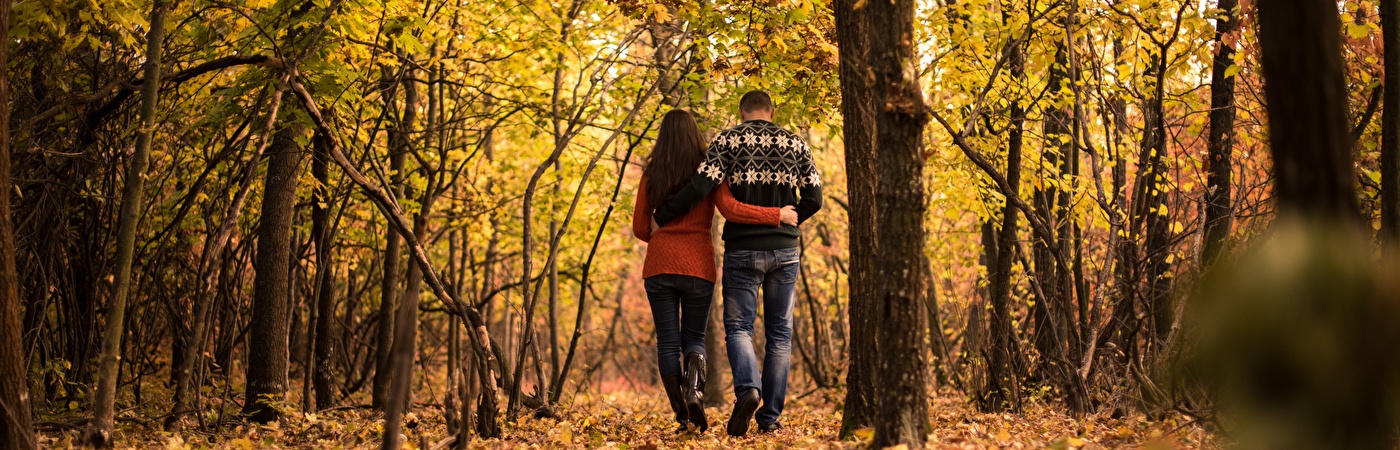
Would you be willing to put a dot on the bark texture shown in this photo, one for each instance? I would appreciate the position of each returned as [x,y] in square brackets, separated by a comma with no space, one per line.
[1003,389]
[268,338]
[1390,126]
[389,287]
[1219,213]
[323,232]
[16,422]
[1152,208]
[901,395]
[1305,87]
[210,266]
[858,126]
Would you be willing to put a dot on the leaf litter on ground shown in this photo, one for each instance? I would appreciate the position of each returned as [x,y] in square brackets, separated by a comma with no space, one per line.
[633,420]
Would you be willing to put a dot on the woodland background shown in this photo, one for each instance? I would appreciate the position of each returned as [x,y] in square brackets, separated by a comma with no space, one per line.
[260,189]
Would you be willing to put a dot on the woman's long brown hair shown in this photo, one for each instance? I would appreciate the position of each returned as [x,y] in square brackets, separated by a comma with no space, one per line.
[678,153]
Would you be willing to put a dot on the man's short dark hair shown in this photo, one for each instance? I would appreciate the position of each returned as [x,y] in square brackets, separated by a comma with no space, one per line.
[755,101]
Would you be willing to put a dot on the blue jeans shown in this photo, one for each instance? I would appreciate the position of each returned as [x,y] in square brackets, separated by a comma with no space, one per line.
[744,272]
[680,308]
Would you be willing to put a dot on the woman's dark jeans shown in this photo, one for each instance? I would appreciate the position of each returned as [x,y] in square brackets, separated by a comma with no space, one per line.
[680,307]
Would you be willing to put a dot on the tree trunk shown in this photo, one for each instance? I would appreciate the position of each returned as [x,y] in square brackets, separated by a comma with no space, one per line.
[389,289]
[1046,197]
[323,233]
[664,50]
[1219,214]
[406,335]
[452,399]
[210,268]
[554,280]
[1003,391]
[16,429]
[901,396]
[98,433]
[267,339]
[1053,332]
[1061,127]
[1305,87]
[1340,294]
[527,238]
[1154,208]
[714,329]
[406,319]
[1390,126]
[858,125]
[1124,234]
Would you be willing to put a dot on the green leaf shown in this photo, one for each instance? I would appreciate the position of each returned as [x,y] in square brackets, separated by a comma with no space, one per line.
[1358,31]
[1233,70]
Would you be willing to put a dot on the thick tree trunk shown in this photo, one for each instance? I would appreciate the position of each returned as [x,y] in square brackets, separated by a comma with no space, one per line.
[1390,126]
[901,395]
[399,142]
[323,233]
[1219,214]
[1340,294]
[98,433]
[268,337]
[1305,87]
[858,125]
[16,429]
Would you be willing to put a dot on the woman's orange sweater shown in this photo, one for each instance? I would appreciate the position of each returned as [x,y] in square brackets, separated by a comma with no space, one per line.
[684,246]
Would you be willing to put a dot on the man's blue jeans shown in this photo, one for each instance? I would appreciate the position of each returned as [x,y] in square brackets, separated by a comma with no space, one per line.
[776,271]
[680,308]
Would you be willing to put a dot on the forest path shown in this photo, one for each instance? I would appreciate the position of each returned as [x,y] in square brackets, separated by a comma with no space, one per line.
[640,420]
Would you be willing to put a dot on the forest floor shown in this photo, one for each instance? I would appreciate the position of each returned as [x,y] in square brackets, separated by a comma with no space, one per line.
[635,420]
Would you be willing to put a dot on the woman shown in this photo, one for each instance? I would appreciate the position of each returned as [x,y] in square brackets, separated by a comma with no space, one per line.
[679,270]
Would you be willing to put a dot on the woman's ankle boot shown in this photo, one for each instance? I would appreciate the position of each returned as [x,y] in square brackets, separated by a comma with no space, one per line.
[695,390]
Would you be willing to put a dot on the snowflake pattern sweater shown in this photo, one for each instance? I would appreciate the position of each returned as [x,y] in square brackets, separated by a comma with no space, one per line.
[765,165]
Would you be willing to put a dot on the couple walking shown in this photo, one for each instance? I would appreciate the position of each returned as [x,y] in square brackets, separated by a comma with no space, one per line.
[762,178]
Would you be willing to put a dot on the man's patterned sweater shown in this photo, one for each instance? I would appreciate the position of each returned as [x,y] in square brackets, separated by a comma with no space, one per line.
[766,166]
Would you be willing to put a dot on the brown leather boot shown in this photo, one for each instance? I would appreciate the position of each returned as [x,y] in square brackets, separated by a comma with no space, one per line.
[694,390]
[673,394]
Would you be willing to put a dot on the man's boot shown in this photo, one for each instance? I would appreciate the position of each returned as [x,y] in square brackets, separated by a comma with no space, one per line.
[673,394]
[694,390]
[744,408]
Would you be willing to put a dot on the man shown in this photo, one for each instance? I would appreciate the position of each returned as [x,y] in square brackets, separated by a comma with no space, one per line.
[766,166]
